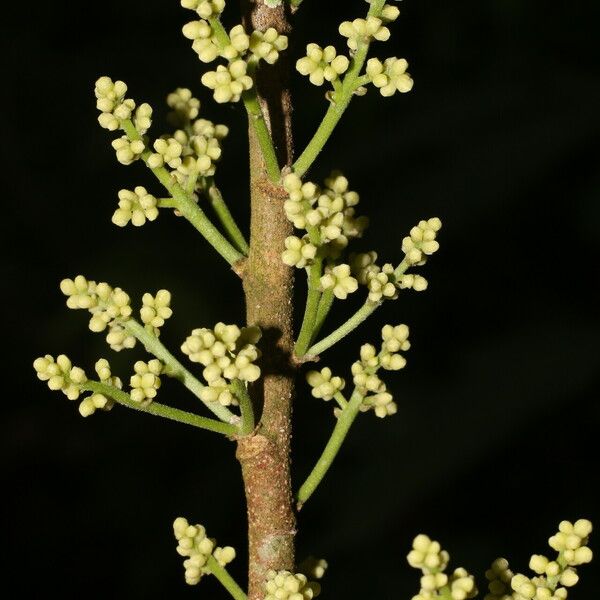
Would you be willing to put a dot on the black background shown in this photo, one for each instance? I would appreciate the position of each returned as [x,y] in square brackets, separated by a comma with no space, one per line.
[496,436]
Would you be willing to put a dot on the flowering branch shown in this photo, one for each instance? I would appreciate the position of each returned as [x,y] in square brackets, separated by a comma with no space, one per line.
[186,205]
[340,102]
[222,211]
[225,579]
[176,369]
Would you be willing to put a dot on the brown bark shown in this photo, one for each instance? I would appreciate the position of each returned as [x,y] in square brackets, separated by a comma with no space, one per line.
[268,286]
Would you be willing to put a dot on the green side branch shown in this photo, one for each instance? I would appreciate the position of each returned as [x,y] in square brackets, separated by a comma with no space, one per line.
[225,217]
[226,580]
[363,313]
[176,369]
[238,388]
[160,410]
[351,82]
[340,431]
[186,205]
[312,304]
[253,108]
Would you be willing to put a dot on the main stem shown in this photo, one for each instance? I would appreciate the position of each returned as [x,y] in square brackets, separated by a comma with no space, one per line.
[268,284]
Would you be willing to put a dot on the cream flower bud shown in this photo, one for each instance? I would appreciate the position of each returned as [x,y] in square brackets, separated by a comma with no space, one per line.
[168,151]
[362,31]
[156,309]
[146,382]
[142,119]
[293,586]
[390,76]
[136,207]
[185,107]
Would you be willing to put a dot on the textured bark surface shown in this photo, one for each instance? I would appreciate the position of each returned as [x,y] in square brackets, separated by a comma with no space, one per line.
[268,285]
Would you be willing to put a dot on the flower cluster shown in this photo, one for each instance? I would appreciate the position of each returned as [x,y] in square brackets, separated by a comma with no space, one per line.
[322,64]
[283,585]
[109,307]
[168,152]
[390,76]
[323,384]
[227,353]
[194,544]
[428,556]
[127,150]
[156,309]
[136,207]
[366,380]
[328,217]
[421,241]
[553,577]
[238,48]
[146,381]
[184,107]
[60,374]
[383,282]
[111,102]
[228,82]
[363,31]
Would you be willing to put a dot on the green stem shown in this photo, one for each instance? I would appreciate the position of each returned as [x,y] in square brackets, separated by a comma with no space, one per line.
[325,304]
[241,393]
[367,309]
[332,448]
[222,211]
[255,113]
[176,369]
[227,581]
[186,205]
[341,400]
[160,410]
[339,105]
[310,311]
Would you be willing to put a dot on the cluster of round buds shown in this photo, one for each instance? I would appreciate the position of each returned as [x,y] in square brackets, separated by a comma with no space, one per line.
[127,150]
[462,585]
[136,207]
[413,282]
[185,107]
[168,151]
[362,265]
[205,8]
[324,385]
[362,31]
[227,352]
[206,152]
[322,64]
[395,339]
[298,251]
[146,381]
[111,102]
[382,283]
[283,585]
[328,213]
[194,544]
[499,577]
[340,280]
[208,129]
[203,40]
[427,555]
[267,45]
[60,374]
[370,386]
[228,82]
[390,76]
[571,541]
[109,307]
[421,242]
[88,406]
[156,309]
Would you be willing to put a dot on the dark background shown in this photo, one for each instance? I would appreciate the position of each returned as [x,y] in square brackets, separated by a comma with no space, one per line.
[496,436]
